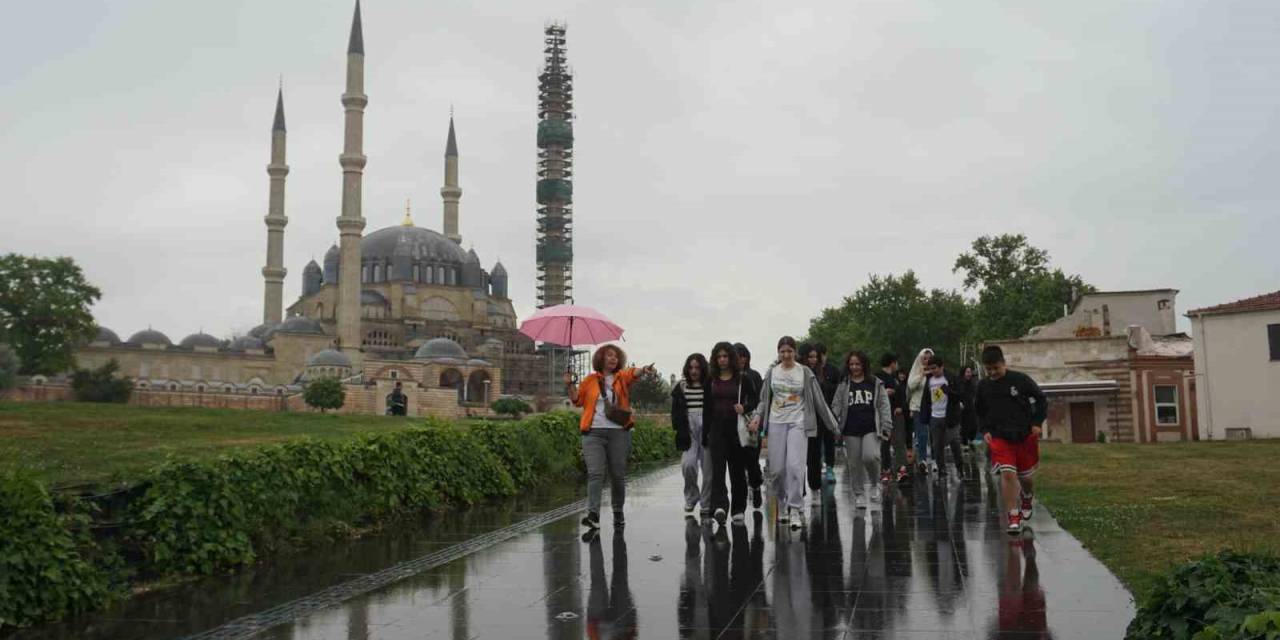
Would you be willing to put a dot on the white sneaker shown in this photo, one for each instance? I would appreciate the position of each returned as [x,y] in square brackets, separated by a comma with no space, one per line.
[933,466]
[739,518]
[860,500]
[797,519]
[784,517]
[875,496]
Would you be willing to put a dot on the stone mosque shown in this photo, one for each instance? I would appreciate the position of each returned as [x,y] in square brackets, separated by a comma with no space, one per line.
[404,304]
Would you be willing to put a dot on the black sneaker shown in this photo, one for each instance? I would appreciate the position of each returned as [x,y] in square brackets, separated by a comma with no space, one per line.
[592,519]
[757,500]
[721,516]
[619,520]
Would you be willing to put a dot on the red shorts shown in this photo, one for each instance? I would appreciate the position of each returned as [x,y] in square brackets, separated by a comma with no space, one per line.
[1022,457]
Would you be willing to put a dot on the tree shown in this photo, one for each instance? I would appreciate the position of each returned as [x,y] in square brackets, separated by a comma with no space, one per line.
[650,393]
[1016,288]
[324,393]
[894,314]
[9,366]
[44,311]
[101,384]
[514,407]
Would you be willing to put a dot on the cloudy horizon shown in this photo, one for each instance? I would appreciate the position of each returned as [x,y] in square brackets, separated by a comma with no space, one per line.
[738,166]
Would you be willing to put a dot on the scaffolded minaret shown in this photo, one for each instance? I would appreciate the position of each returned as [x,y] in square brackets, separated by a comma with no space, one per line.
[351,221]
[555,173]
[273,273]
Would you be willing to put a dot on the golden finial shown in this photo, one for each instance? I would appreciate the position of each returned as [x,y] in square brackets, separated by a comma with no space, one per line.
[408,219]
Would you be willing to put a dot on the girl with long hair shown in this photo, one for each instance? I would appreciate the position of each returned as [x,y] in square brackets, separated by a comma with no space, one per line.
[916,383]
[605,398]
[791,408]
[729,396]
[861,407]
[688,417]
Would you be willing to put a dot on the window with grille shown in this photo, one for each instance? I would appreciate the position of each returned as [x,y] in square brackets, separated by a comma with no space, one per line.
[1166,396]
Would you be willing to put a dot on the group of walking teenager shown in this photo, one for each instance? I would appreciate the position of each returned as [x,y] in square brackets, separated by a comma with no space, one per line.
[893,425]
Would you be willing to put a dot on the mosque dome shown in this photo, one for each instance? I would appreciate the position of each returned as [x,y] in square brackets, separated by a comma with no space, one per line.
[200,340]
[423,244]
[150,336]
[106,335]
[298,324]
[499,270]
[245,343]
[440,348]
[329,358]
[260,331]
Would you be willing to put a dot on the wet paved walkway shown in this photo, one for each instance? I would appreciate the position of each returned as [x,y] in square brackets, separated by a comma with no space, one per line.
[933,563]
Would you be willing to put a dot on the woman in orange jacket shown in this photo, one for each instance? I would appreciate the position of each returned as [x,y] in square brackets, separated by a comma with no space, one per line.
[604,396]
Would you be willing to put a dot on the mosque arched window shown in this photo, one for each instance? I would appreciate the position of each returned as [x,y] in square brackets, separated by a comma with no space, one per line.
[364,273]
[417,273]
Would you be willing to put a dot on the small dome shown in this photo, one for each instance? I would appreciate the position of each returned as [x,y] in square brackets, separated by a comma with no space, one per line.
[499,270]
[260,331]
[311,267]
[473,257]
[332,252]
[298,324]
[369,296]
[245,343]
[150,336]
[106,335]
[329,358]
[440,348]
[200,340]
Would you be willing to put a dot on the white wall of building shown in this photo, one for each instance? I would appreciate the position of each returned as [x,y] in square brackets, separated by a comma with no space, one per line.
[1154,311]
[1238,385]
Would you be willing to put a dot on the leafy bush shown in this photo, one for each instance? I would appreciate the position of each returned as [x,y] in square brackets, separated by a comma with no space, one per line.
[514,407]
[1224,597]
[46,568]
[324,393]
[101,384]
[1102,437]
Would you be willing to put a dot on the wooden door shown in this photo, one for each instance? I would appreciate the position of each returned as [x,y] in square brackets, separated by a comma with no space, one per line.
[1084,426]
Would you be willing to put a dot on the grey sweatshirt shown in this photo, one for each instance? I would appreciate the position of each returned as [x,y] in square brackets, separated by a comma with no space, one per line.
[884,414]
[815,404]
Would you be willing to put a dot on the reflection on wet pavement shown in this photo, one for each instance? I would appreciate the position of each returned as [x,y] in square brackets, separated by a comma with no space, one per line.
[933,563]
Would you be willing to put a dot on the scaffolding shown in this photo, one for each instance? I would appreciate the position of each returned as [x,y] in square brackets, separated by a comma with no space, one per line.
[555,173]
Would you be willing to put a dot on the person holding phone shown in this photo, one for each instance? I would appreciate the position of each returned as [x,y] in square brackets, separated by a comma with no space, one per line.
[604,395]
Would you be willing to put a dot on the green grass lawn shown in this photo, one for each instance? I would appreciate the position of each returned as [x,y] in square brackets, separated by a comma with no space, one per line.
[66,443]
[1142,509]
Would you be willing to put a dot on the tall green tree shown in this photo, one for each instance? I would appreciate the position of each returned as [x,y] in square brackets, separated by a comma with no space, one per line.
[894,314]
[650,393]
[44,311]
[8,367]
[102,384]
[1016,286]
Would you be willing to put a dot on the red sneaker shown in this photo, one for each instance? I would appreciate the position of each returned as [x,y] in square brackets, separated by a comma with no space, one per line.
[902,474]
[1026,506]
[1015,523]
[884,477]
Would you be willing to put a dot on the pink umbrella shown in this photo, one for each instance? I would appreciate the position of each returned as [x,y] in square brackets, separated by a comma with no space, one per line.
[568,325]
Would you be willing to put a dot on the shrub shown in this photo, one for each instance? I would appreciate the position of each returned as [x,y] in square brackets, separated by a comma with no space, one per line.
[9,366]
[1227,596]
[46,568]
[514,407]
[324,393]
[101,384]
[1102,437]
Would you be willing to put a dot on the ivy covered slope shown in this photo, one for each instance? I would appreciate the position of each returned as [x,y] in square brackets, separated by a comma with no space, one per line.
[208,515]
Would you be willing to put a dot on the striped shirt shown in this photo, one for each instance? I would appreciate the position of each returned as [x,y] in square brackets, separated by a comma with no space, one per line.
[693,398]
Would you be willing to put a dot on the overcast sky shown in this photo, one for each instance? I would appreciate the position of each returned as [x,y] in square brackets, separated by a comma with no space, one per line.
[739,166]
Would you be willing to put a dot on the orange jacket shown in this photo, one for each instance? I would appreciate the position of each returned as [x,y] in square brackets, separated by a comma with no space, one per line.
[589,392]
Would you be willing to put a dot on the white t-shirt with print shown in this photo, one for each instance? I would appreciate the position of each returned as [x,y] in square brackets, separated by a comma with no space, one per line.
[598,419]
[939,399]
[788,395]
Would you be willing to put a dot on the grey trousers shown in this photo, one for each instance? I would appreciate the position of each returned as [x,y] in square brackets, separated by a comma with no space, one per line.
[940,437]
[862,459]
[696,458]
[606,451]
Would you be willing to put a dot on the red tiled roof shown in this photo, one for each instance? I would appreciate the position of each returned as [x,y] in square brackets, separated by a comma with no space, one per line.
[1264,302]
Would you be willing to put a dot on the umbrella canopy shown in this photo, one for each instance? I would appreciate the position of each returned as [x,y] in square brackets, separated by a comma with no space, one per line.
[569,325]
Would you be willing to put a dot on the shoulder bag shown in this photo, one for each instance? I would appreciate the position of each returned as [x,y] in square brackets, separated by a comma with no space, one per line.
[612,411]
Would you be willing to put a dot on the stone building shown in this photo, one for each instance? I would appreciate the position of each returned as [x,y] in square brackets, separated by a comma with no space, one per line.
[401,304]
[1114,364]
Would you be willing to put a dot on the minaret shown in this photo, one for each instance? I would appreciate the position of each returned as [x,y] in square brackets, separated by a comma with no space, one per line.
[555,173]
[450,191]
[273,274]
[351,222]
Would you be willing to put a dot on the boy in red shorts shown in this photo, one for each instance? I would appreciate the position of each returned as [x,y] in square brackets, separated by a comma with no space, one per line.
[1011,409]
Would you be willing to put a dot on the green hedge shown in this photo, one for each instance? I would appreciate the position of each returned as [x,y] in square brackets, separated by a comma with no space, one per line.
[47,564]
[216,515]
[1228,596]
